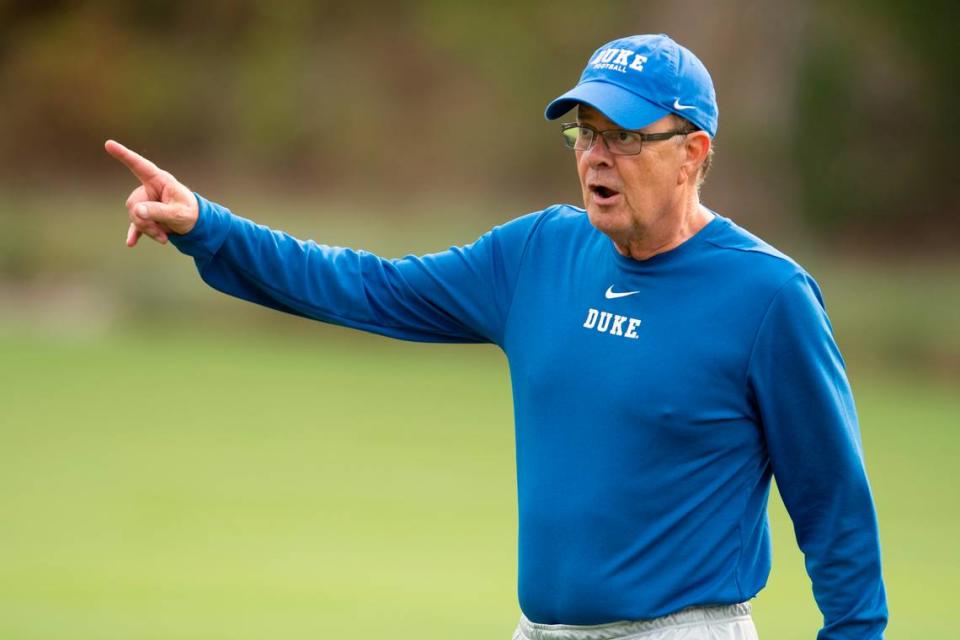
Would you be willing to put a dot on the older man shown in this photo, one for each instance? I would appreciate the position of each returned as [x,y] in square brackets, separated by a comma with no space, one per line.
[665,364]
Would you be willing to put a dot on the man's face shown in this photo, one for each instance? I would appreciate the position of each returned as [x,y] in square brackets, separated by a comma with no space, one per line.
[624,195]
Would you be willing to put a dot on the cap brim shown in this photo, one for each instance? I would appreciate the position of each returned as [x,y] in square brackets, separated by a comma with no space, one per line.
[623,107]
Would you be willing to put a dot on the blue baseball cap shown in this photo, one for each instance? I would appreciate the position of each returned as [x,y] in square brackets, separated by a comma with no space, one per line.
[638,80]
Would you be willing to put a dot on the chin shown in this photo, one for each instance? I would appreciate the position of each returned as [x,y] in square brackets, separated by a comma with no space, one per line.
[608,220]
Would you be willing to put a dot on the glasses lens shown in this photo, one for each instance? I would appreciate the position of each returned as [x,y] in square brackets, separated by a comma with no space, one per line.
[623,142]
[575,137]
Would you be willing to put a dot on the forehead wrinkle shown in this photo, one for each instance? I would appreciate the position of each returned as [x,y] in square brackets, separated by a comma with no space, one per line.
[592,116]
[586,112]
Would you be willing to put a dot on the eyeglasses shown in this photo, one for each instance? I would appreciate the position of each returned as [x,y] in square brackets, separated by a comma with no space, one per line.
[621,142]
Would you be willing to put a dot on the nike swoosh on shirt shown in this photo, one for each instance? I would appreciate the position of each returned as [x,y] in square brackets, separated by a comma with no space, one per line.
[681,107]
[612,295]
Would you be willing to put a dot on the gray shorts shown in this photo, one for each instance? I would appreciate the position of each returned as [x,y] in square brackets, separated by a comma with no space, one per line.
[727,622]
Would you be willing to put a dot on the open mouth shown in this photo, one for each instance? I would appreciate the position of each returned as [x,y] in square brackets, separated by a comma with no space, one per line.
[603,193]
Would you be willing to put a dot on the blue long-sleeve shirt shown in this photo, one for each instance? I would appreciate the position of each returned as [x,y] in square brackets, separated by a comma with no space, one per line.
[653,400]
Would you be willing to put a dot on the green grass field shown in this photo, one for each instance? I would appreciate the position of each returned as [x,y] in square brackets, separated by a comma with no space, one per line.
[247,485]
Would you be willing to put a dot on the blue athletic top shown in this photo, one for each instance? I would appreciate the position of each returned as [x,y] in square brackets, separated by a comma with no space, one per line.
[654,399]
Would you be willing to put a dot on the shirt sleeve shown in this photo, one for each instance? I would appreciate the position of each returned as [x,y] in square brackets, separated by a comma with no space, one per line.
[800,387]
[459,295]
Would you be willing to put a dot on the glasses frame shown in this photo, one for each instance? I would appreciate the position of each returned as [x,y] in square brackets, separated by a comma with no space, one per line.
[607,133]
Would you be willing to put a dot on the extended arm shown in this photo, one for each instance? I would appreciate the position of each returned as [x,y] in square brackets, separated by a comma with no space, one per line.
[810,424]
[459,295]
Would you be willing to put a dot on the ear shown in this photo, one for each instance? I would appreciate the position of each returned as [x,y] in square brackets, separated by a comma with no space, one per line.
[696,145]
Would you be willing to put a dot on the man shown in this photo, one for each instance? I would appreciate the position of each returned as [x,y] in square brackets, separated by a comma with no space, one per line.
[664,362]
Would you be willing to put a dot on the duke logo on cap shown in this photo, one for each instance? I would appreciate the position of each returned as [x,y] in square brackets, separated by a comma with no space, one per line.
[637,80]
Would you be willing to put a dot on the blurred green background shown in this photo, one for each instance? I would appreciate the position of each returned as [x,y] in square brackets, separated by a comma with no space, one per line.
[180,465]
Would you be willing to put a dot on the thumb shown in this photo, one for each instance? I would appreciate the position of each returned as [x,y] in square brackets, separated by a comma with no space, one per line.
[170,216]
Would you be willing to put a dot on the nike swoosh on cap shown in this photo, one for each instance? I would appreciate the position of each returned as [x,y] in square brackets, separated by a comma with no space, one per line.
[681,107]
[612,295]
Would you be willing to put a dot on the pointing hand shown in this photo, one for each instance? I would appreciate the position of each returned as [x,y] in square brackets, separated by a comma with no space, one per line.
[160,205]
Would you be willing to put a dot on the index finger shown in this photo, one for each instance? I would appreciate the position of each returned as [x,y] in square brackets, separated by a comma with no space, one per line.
[142,168]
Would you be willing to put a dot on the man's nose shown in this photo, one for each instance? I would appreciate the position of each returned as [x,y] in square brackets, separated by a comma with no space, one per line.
[598,154]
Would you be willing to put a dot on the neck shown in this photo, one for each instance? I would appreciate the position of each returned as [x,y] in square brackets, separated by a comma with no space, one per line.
[666,232]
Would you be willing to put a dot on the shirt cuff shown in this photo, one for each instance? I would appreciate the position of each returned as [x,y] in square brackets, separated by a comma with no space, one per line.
[209,232]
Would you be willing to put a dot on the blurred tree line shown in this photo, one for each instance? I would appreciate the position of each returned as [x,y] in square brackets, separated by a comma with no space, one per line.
[877,129]
[856,115]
